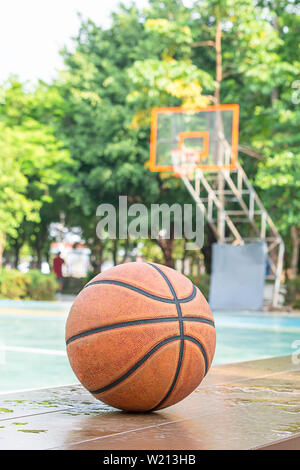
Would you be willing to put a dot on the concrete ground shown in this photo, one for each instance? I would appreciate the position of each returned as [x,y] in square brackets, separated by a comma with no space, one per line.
[245,405]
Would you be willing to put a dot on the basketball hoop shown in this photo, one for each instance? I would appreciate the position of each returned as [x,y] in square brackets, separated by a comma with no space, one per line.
[184,161]
[212,132]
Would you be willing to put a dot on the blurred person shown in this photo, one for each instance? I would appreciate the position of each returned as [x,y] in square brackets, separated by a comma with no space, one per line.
[57,269]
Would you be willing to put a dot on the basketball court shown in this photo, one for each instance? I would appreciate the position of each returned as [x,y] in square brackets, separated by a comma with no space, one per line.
[242,405]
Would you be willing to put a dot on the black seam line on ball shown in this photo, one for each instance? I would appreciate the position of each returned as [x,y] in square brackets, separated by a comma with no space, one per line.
[144,359]
[143,292]
[181,329]
[197,342]
[143,321]
[137,365]
[194,340]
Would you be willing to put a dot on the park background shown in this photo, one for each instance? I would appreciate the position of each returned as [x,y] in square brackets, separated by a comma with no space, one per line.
[81,138]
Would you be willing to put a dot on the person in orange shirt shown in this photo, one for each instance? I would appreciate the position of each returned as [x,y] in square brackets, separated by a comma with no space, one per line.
[57,269]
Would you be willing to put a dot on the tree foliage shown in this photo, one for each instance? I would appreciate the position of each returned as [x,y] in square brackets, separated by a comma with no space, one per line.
[98,111]
[32,160]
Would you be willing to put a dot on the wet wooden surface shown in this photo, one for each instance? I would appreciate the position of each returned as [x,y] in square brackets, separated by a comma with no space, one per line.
[238,406]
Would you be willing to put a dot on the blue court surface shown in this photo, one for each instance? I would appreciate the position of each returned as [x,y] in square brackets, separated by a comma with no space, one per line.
[33,354]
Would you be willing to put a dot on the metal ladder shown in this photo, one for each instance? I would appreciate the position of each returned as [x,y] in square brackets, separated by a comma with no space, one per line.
[237,215]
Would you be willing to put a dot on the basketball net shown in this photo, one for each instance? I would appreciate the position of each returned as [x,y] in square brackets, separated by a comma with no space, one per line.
[184,161]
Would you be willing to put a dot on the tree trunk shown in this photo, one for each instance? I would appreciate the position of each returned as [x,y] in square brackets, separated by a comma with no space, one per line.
[207,249]
[220,127]
[126,249]
[295,236]
[218,47]
[38,257]
[40,244]
[167,249]
[115,251]
[275,91]
[17,255]
[183,257]
[167,246]
[2,246]
[98,256]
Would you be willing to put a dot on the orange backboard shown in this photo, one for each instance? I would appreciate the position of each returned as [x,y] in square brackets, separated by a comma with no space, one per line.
[211,131]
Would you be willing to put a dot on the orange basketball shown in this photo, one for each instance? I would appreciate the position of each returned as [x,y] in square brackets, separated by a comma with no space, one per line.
[140,336]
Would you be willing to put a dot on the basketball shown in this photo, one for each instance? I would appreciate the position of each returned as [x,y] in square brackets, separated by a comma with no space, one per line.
[140,336]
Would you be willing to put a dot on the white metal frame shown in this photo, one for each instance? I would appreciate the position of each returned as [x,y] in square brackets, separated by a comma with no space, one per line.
[229,205]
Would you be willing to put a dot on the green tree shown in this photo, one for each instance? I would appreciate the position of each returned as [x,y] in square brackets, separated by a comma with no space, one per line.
[32,161]
[243,51]
[14,204]
[253,46]
[106,125]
